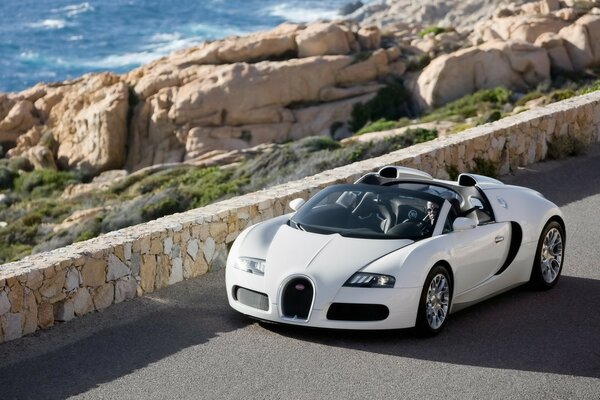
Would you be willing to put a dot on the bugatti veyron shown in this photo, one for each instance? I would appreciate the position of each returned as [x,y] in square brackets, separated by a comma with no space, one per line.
[396,249]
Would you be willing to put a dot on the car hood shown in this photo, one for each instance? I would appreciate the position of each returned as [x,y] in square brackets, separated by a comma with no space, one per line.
[329,260]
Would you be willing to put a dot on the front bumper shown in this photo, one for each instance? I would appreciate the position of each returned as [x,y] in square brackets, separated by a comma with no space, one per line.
[402,304]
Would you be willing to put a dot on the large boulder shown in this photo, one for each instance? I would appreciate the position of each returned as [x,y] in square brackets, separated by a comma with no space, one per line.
[555,46]
[325,38]
[581,41]
[520,27]
[18,120]
[240,105]
[90,124]
[510,64]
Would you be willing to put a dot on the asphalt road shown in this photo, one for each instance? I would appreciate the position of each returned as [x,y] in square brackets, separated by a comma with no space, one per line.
[185,342]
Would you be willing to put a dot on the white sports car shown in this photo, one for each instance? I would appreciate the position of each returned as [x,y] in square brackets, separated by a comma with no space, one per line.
[397,249]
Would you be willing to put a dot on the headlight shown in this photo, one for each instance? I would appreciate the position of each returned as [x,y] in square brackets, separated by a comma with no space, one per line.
[362,279]
[252,265]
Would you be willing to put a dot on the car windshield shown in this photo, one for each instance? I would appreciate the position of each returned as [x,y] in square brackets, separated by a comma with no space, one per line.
[369,211]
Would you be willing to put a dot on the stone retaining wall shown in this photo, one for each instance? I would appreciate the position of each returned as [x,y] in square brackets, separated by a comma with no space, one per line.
[45,288]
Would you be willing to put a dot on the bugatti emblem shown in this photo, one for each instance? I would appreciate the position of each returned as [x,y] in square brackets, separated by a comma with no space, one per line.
[299,287]
[412,214]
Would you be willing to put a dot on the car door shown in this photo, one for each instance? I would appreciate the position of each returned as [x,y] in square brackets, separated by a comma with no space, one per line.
[478,253]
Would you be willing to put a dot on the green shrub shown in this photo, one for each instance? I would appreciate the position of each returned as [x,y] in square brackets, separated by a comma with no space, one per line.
[18,233]
[436,30]
[85,235]
[490,116]
[123,185]
[6,178]
[565,146]
[317,143]
[32,219]
[20,164]
[561,94]
[390,103]
[484,167]
[528,97]
[420,135]
[470,105]
[44,182]
[162,207]
[463,126]
[452,171]
[378,126]
[589,88]
[13,252]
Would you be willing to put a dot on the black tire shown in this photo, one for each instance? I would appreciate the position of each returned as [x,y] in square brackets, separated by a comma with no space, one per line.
[424,327]
[540,280]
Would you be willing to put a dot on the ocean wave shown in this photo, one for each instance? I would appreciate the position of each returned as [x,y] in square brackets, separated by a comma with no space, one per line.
[29,55]
[293,13]
[209,31]
[75,9]
[165,48]
[122,60]
[49,24]
[75,38]
[165,37]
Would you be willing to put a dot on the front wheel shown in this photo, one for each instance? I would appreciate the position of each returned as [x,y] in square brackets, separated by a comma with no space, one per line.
[434,305]
[549,257]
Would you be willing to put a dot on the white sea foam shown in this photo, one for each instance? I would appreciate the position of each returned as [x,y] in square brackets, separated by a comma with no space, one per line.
[122,60]
[75,9]
[49,24]
[292,13]
[168,47]
[74,38]
[29,55]
[165,37]
[208,31]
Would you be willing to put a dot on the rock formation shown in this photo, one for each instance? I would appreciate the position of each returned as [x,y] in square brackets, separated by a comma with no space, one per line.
[512,64]
[517,48]
[293,81]
[287,83]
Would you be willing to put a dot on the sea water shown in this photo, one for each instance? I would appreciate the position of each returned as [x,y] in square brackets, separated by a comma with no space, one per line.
[54,40]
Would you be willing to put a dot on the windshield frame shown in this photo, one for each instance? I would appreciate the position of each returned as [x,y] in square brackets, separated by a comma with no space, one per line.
[296,221]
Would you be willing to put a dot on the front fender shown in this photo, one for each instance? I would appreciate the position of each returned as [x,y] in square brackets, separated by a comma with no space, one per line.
[411,264]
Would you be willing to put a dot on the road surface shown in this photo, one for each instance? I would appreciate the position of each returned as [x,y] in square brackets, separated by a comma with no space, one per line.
[184,341]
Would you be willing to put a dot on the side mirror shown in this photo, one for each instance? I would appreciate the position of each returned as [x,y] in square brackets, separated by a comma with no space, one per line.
[463,224]
[296,204]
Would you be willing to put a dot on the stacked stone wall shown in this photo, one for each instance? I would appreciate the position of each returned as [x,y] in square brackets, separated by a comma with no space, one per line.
[43,289]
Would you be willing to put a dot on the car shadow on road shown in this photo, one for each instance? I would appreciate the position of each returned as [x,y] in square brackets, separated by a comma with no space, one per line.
[554,331]
[103,347]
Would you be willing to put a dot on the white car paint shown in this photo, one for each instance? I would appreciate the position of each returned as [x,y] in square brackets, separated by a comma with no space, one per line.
[474,256]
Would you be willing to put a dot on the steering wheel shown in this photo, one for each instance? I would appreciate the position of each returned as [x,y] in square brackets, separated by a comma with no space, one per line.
[413,216]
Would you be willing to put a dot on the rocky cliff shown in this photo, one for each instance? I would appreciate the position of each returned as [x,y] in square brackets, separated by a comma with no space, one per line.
[293,81]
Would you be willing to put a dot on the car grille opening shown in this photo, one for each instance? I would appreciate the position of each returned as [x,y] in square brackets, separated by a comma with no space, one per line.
[251,298]
[297,298]
[357,312]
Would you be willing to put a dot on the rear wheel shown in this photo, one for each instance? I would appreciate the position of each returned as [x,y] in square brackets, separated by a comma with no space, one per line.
[434,305]
[549,257]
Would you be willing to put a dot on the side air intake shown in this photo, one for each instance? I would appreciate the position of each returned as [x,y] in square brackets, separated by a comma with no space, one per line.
[402,172]
[474,179]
